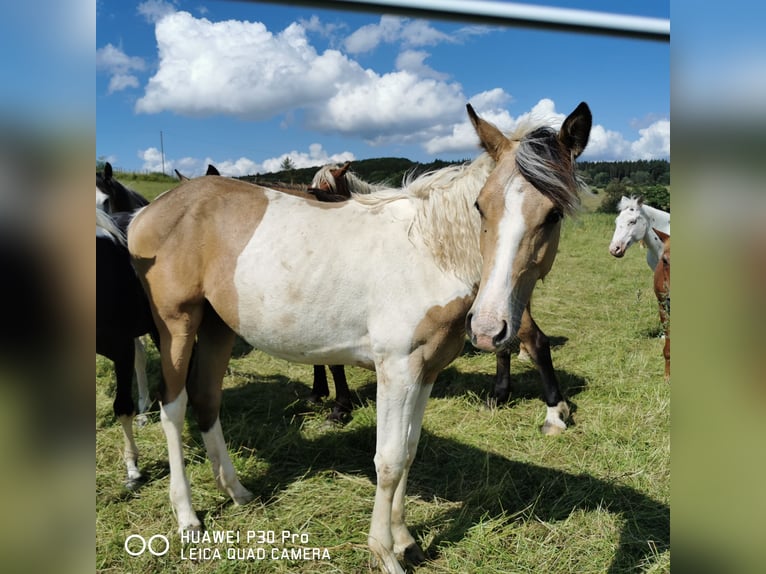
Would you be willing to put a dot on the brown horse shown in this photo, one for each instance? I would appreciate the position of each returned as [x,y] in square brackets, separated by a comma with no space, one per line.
[662,291]
[460,249]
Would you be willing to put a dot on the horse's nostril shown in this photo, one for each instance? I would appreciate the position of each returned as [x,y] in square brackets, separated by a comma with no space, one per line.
[501,335]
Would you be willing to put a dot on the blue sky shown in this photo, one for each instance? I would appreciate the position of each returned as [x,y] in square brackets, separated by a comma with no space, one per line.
[244,85]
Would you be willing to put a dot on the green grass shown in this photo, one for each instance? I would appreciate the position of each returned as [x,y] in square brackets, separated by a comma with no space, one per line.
[487,493]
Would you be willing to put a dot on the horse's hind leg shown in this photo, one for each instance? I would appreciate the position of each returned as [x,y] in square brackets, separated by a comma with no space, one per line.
[177,328]
[342,409]
[214,343]
[539,348]
[141,380]
[319,388]
[124,409]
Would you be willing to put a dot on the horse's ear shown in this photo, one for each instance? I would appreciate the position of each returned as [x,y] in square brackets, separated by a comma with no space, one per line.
[575,130]
[640,200]
[108,171]
[663,236]
[492,139]
[211,170]
[344,169]
[180,176]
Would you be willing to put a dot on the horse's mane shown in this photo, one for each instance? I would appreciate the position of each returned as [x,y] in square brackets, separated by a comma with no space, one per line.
[354,182]
[626,202]
[105,223]
[445,218]
[542,161]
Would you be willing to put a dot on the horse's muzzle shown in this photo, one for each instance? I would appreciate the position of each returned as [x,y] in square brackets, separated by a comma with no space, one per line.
[617,250]
[490,335]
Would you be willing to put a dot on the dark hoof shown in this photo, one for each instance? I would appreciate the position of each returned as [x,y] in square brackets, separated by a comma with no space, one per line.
[413,555]
[339,415]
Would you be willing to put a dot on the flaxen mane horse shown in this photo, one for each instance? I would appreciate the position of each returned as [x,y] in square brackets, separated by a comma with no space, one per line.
[532,341]
[458,250]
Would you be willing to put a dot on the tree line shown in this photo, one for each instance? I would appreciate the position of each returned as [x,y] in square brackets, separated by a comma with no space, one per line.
[647,178]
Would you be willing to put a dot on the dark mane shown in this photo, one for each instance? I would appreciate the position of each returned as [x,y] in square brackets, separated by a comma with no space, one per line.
[542,160]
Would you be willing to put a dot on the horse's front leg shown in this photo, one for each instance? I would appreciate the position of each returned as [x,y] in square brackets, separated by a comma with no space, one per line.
[539,348]
[404,543]
[397,399]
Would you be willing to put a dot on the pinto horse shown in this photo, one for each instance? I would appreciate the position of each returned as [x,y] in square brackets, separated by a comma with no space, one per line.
[329,184]
[458,249]
[532,342]
[662,292]
[122,315]
[636,222]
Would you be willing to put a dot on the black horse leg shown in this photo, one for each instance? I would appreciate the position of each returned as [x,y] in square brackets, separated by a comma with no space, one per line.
[124,409]
[502,391]
[320,388]
[539,348]
[342,409]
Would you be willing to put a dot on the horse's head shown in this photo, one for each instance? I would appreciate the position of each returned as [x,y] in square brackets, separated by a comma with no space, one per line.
[332,180]
[630,225]
[112,196]
[531,188]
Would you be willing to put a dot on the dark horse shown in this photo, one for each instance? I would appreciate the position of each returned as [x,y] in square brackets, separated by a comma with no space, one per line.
[122,315]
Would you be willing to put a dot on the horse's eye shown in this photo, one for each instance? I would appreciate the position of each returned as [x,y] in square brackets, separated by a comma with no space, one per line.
[554,216]
[476,205]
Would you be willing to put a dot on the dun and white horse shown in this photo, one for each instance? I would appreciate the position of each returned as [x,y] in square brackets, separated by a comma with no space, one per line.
[634,223]
[533,343]
[459,249]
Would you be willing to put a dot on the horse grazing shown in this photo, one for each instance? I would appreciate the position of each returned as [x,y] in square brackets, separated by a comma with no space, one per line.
[662,291]
[636,222]
[459,248]
[532,341]
[122,315]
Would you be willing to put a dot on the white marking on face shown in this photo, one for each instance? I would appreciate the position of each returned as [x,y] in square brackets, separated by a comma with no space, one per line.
[493,303]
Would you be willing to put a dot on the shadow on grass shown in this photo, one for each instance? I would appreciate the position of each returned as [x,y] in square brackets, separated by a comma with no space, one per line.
[263,416]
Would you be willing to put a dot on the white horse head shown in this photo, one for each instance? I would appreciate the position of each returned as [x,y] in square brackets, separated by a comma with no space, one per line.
[630,225]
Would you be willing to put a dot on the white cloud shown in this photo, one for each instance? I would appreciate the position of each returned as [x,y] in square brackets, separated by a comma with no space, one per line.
[396,104]
[414,61]
[113,61]
[239,68]
[654,142]
[392,29]
[155,10]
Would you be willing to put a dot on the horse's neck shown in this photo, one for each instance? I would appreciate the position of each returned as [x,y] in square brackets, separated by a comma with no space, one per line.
[653,248]
[657,218]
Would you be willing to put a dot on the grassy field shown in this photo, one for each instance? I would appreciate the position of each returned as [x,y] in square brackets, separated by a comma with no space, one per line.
[487,492]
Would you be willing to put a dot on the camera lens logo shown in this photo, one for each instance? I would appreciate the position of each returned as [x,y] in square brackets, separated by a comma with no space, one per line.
[157,545]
